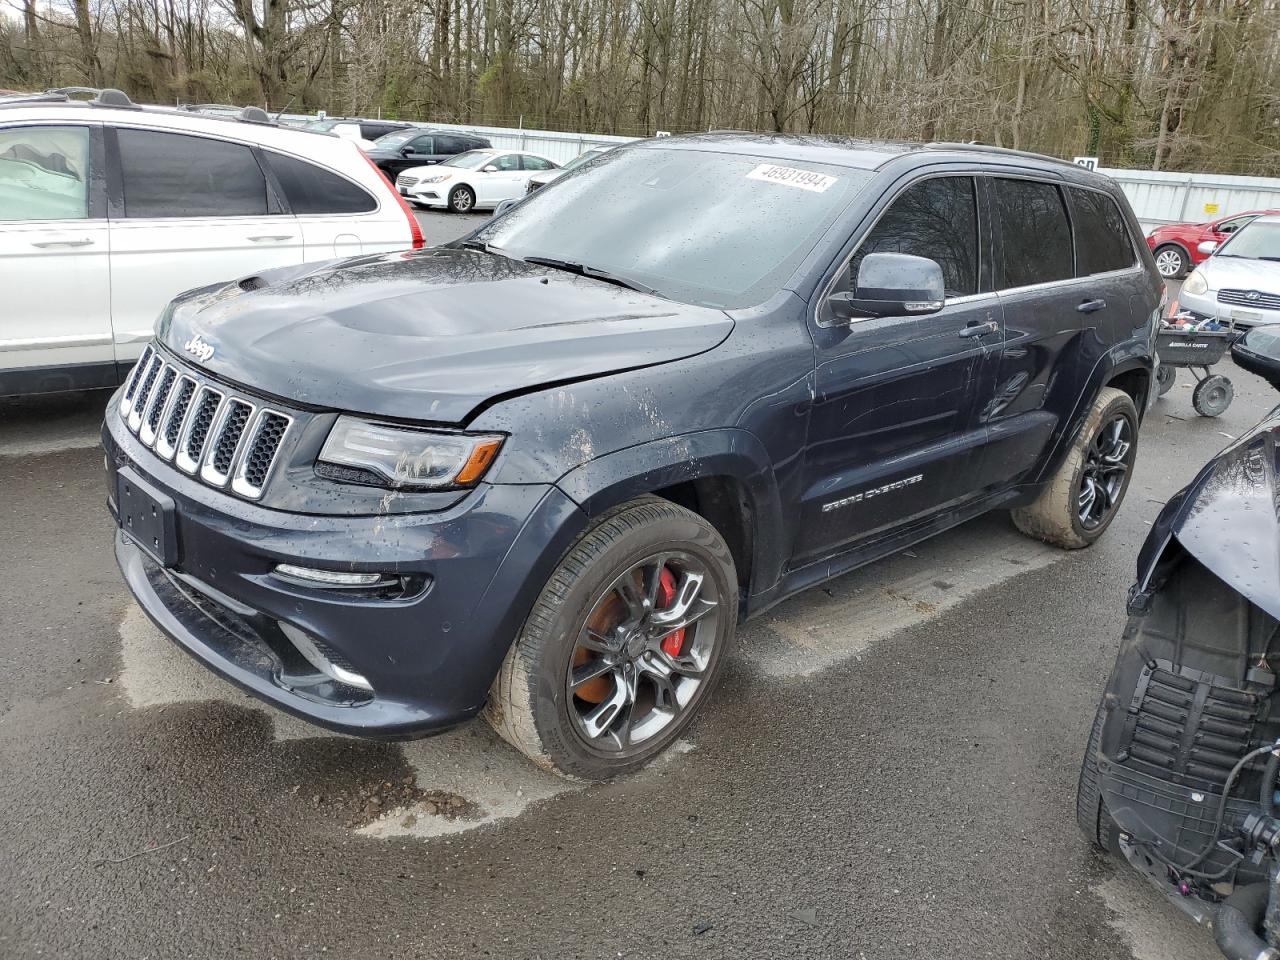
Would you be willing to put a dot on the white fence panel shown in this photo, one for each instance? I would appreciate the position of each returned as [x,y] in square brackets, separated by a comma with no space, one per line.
[1158,198]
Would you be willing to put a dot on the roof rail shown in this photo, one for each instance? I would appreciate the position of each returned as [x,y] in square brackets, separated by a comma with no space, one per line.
[104,97]
[986,148]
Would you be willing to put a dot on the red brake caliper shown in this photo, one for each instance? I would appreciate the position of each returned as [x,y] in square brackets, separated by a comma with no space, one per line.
[673,642]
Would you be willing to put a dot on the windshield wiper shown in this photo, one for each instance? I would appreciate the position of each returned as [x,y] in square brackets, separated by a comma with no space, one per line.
[595,273]
[484,247]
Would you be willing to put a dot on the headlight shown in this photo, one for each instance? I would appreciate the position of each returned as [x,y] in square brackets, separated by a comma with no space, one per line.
[402,458]
[1196,283]
[435,179]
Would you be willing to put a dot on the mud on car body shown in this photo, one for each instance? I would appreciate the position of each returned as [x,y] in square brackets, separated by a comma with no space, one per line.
[546,470]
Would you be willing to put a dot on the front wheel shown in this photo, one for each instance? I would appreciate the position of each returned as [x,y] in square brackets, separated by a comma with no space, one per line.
[461,200]
[1171,262]
[623,645]
[1081,499]
[1212,396]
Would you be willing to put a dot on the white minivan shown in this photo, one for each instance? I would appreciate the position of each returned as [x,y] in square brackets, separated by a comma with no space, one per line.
[108,211]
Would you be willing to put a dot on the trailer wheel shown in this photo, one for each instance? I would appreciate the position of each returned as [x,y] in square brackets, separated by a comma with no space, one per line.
[1165,378]
[1212,396]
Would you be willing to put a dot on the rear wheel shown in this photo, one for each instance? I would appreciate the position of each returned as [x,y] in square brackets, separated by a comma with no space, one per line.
[1165,378]
[1171,261]
[1212,396]
[1080,501]
[622,646]
[461,200]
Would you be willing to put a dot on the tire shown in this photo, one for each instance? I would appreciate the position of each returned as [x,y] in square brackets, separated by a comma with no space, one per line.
[1171,261]
[1091,810]
[1165,379]
[461,200]
[534,703]
[1212,396]
[1056,514]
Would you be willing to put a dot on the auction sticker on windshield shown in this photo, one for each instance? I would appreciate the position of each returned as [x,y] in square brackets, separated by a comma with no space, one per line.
[792,177]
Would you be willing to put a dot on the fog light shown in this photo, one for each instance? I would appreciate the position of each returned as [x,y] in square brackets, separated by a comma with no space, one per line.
[331,578]
[310,650]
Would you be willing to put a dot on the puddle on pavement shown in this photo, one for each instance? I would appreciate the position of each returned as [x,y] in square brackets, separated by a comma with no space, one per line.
[845,617]
[463,779]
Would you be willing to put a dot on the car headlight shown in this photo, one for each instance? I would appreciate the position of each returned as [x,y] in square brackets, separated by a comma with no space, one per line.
[1195,284]
[435,179]
[406,459]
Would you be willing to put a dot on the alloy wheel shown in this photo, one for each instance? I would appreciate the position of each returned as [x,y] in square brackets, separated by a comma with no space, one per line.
[643,653]
[1106,468]
[461,201]
[1169,262]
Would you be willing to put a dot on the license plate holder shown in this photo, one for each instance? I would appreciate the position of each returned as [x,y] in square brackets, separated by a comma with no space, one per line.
[1248,316]
[148,517]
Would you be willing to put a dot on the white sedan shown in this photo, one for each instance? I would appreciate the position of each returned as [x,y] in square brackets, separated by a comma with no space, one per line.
[472,180]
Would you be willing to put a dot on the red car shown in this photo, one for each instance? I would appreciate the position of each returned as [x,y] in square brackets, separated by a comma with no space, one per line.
[1175,246]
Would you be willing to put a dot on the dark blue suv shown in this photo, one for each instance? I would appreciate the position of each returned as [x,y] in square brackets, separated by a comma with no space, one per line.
[544,471]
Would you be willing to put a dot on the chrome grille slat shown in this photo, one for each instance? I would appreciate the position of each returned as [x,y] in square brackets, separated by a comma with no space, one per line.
[217,435]
[1250,298]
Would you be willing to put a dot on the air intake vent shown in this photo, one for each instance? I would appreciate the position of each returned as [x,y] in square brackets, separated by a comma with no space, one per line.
[203,429]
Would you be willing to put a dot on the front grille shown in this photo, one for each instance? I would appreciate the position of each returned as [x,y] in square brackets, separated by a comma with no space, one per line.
[1250,298]
[404,181]
[202,427]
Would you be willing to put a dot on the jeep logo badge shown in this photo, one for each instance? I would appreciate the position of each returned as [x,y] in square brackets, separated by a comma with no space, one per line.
[198,348]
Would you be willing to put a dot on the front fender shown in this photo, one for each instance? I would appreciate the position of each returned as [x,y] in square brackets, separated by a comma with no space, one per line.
[737,454]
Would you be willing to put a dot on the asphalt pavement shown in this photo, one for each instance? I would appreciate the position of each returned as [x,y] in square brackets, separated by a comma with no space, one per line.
[887,770]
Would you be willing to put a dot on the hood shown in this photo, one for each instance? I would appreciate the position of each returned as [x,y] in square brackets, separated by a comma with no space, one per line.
[427,335]
[1241,273]
[546,176]
[1228,518]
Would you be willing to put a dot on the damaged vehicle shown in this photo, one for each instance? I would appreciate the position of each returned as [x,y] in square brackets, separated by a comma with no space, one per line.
[545,471]
[1180,772]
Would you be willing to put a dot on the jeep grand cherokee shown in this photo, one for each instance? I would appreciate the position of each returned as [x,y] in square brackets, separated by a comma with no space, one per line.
[545,471]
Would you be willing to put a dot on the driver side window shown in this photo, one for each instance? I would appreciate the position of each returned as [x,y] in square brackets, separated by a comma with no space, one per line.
[1231,226]
[935,218]
[506,162]
[422,145]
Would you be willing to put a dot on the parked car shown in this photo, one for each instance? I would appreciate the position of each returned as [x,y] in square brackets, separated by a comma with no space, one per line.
[397,152]
[479,179]
[540,180]
[107,211]
[363,133]
[1180,772]
[1177,246]
[1240,282]
[549,467]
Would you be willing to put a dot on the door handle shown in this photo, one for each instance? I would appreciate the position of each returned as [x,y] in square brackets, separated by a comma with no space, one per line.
[82,242]
[1092,306]
[271,238]
[976,329]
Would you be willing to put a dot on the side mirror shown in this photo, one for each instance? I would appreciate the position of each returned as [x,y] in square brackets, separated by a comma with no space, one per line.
[1208,246]
[405,151]
[490,168]
[892,285]
[504,206]
[1258,351]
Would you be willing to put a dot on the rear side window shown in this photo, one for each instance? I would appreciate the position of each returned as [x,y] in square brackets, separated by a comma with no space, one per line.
[938,219]
[44,173]
[174,175]
[448,144]
[311,190]
[1035,236]
[1102,239]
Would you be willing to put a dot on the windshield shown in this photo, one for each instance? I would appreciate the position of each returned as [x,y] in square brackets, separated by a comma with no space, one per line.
[1259,240]
[468,161]
[393,141]
[321,126]
[582,158]
[724,230]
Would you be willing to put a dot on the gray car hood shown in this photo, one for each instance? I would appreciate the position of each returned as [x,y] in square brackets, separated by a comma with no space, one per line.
[430,335]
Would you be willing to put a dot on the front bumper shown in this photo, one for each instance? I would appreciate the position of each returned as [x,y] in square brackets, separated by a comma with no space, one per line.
[1206,306]
[429,656]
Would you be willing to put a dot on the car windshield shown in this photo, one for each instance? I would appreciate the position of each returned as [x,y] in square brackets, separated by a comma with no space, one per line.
[321,126]
[718,229]
[468,161]
[1259,240]
[395,140]
[582,158]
